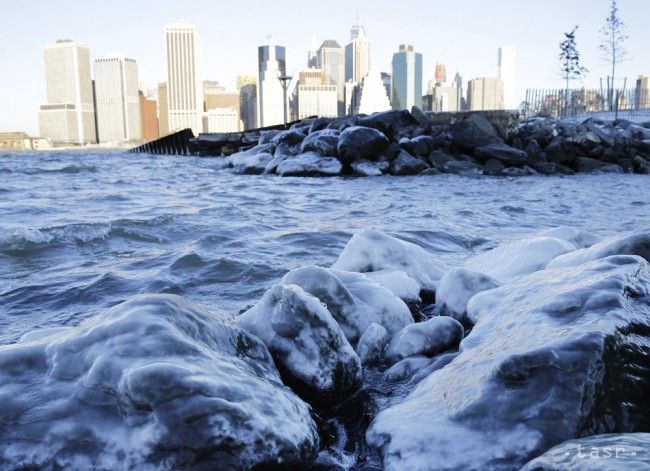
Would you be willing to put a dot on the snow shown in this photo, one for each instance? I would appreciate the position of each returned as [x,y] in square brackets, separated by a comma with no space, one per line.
[370,250]
[425,338]
[309,164]
[153,380]
[398,282]
[306,341]
[457,287]
[250,163]
[579,238]
[372,343]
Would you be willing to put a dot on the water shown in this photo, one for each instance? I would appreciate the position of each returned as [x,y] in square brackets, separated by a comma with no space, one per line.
[83,231]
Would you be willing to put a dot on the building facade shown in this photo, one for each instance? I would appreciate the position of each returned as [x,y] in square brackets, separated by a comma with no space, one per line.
[507,74]
[118,101]
[271,60]
[406,87]
[216,97]
[221,120]
[642,92]
[68,116]
[149,126]
[331,60]
[357,55]
[485,94]
[163,110]
[184,86]
[314,95]
[372,95]
[247,86]
[440,73]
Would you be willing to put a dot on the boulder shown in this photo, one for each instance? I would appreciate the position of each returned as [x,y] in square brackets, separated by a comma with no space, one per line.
[420,116]
[397,281]
[266,137]
[554,355]
[560,151]
[515,172]
[501,152]
[366,168]
[154,382]
[546,168]
[372,343]
[534,153]
[587,164]
[291,137]
[457,287]
[389,122]
[493,167]
[474,131]
[430,171]
[461,167]
[324,142]
[641,165]
[250,164]
[306,343]
[438,159]
[358,142]
[406,164]
[422,145]
[309,164]
[319,124]
[426,338]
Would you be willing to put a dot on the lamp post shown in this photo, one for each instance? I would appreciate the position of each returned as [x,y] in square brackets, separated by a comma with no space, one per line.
[284,81]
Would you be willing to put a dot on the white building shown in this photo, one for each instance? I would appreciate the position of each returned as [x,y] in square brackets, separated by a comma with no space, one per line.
[314,96]
[357,55]
[117,100]
[184,85]
[222,120]
[507,74]
[270,97]
[68,117]
[372,95]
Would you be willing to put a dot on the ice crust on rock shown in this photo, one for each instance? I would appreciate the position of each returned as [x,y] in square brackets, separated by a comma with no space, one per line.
[457,287]
[398,282]
[153,383]
[579,238]
[425,338]
[309,164]
[370,347]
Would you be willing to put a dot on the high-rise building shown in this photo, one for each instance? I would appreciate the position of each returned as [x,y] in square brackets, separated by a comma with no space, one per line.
[118,101]
[357,54]
[387,80]
[440,73]
[372,95]
[312,55]
[444,97]
[507,74]
[485,94]
[163,110]
[315,96]
[149,127]
[642,92]
[406,88]
[221,120]
[270,97]
[247,86]
[330,58]
[184,87]
[227,118]
[68,117]
[460,101]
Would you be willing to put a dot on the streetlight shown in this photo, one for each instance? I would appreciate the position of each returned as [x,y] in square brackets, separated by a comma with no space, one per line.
[284,81]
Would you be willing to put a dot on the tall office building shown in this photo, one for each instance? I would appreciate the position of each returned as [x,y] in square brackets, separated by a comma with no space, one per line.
[440,73]
[118,101]
[149,127]
[485,94]
[642,92]
[163,110]
[184,87]
[507,74]
[406,88]
[314,95]
[357,54]
[221,108]
[330,58]
[460,101]
[312,55]
[68,117]
[270,101]
[443,98]
[247,86]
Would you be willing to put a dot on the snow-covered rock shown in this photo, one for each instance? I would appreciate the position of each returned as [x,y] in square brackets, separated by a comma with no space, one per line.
[518,257]
[425,338]
[370,250]
[366,168]
[634,244]
[250,164]
[306,343]
[325,142]
[354,300]
[457,287]
[359,142]
[579,238]
[309,164]
[404,287]
[153,383]
[555,354]
[370,347]
[417,367]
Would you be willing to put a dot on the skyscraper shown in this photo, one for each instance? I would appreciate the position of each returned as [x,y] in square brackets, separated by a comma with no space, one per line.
[163,109]
[406,89]
[507,74]
[271,65]
[440,73]
[485,94]
[149,127]
[221,107]
[247,86]
[372,95]
[118,101]
[357,54]
[68,117]
[315,95]
[460,102]
[184,87]
[330,58]
[642,92]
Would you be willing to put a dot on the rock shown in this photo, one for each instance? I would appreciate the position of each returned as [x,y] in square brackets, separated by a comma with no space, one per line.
[420,116]
[430,171]
[354,300]
[625,451]
[306,343]
[403,286]
[319,124]
[547,168]
[389,122]
[290,137]
[438,159]
[493,167]
[502,152]
[586,140]
[371,250]
[457,287]
[153,382]
[534,153]
[641,165]
[425,338]
[643,146]
[586,164]
[554,355]
[416,368]
[560,151]
[422,145]
[309,164]
[460,167]
[366,168]
[639,132]
[359,142]
[474,131]
[372,343]
[515,172]
[611,168]
[250,164]
[406,164]
[266,137]
[579,238]
[541,130]
[324,142]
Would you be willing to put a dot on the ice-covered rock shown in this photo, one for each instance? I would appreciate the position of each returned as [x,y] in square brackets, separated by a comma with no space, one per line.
[406,164]
[325,142]
[425,338]
[518,257]
[366,168]
[457,287]
[405,287]
[354,300]
[370,250]
[634,244]
[556,354]
[417,368]
[309,164]
[579,238]
[306,342]
[462,167]
[372,343]
[250,164]
[358,142]
[153,383]
[612,451]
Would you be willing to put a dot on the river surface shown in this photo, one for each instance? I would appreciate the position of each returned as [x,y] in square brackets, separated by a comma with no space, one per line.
[83,231]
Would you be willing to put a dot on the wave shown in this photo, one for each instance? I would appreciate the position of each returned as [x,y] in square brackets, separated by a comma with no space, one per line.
[68,169]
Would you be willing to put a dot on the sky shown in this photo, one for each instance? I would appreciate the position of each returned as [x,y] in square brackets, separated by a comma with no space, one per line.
[463,34]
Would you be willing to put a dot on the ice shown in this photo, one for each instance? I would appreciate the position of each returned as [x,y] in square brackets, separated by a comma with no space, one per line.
[579,238]
[372,343]
[398,282]
[309,164]
[425,338]
[153,383]
[457,287]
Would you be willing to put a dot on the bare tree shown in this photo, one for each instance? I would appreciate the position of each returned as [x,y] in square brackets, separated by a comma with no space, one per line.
[570,63]
[613,46]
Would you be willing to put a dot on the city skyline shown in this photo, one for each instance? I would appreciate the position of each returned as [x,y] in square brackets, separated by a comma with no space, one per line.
[231,50]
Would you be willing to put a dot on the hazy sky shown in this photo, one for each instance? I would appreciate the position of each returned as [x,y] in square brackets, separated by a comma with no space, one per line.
[463,34]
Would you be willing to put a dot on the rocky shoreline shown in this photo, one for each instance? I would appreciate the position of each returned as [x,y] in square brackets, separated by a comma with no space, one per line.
[411,143]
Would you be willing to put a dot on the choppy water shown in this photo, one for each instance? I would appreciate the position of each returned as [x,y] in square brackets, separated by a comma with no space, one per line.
[82,231]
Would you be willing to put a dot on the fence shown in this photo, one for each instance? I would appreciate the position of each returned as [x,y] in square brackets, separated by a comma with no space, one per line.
[633,105]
